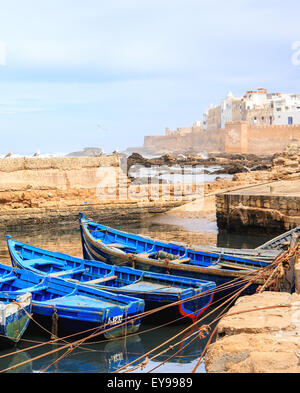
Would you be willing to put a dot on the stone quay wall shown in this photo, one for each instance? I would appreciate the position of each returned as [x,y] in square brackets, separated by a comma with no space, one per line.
[236,211]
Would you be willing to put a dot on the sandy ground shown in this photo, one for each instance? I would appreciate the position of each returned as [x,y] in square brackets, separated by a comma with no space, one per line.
[196,222]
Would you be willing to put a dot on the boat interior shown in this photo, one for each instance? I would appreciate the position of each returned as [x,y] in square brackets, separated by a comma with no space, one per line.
[98,273]
[157,250]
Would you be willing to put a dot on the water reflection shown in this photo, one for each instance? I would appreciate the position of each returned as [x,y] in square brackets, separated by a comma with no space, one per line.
[106,356]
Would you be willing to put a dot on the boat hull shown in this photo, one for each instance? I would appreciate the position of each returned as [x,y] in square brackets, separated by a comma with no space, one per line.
[14,319]
[229,280]
[156,290]
[73,307]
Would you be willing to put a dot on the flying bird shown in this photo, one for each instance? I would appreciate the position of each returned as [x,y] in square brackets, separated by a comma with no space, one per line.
[101,128]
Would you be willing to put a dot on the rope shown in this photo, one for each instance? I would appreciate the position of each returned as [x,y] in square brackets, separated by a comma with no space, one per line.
[54,329]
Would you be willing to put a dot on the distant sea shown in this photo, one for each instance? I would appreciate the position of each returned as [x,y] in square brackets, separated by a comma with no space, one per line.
[42,155]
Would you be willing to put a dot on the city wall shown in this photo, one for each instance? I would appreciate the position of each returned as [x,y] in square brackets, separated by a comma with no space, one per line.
[196,141]
[237,137]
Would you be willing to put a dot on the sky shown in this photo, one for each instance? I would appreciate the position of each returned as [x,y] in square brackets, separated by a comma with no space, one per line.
[95,73]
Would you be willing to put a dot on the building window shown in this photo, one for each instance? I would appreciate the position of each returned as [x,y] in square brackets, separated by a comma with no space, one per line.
[270,120]
[290,120]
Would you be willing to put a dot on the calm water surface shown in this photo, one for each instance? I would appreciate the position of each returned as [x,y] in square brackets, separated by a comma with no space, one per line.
[103,356]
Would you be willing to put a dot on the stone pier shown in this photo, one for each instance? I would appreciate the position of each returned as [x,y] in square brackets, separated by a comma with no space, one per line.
[36,191]
[271,207]
[260,334]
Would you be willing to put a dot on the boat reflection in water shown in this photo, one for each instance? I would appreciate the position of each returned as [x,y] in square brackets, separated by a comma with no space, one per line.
[106,356]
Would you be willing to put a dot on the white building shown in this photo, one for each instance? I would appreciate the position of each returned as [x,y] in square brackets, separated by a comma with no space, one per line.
[257,107]
[286,109]
[226,109]
[255,99]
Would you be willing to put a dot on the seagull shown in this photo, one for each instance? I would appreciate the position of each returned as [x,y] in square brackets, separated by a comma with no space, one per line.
[36,154]
[8,155]
[101,128]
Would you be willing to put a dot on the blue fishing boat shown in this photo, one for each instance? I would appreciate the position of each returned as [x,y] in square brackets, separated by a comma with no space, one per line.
[112,246]
[154,288]
[74,307]
[15,312]
[280,242]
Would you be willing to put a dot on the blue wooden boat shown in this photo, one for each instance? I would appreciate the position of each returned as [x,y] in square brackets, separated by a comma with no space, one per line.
[280,242]
[154,288]
[15,312]
[112,246]
[76,306]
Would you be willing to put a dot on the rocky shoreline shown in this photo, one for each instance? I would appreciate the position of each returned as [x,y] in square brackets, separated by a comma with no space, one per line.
[229,163]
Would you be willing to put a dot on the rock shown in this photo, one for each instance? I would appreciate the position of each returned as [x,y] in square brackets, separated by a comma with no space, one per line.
[256,340]
[292,149]
[87,152]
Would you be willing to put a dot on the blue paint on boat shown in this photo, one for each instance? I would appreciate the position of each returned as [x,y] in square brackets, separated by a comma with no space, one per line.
[155,289]
[102,243]
[78,307]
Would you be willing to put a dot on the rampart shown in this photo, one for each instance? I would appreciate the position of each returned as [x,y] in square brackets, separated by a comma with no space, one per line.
[236,137]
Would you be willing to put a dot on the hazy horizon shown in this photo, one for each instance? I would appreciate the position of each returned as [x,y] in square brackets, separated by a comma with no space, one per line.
[105,74]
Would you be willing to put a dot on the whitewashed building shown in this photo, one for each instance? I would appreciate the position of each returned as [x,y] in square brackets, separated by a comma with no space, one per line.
[258,107]
[286,109]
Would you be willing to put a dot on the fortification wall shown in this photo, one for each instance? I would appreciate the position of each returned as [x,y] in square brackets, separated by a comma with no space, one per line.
[271,139]
[237,137]
[197,140]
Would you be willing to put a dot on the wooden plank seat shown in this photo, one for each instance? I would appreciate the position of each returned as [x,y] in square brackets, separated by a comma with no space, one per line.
[35,288]
[65,272]
[117,245]
[103,279]
[236,266]
[43,261]
[121,246]
[7,279]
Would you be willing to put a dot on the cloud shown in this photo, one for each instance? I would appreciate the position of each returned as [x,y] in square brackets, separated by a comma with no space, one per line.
[134,67]
[2,54]
[92,40]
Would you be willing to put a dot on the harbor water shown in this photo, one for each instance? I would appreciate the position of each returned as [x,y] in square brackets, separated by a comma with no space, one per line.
[34,354]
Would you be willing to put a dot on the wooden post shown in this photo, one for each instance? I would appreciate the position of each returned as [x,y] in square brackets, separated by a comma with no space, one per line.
[287,283]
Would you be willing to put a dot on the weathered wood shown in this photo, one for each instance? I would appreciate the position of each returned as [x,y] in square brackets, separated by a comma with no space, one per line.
[98,280]
[183,260]
[287,282]
[236,266]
